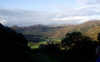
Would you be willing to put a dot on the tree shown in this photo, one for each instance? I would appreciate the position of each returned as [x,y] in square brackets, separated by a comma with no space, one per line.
[71,37]
[82,48]
[13,46]
[98,47]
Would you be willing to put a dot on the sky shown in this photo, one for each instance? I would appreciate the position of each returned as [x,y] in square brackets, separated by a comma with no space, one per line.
[36,4]
[30,12]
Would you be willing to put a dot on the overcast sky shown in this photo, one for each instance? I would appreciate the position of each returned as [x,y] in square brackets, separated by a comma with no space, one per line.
[30,12]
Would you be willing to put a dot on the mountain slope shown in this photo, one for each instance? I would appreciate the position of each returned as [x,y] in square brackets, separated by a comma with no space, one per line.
[91,28]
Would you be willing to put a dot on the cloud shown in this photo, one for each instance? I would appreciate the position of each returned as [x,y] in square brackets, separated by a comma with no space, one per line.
[3,21]
[76,19]
[68,16]
[88,2]
[87,10]
[25,18]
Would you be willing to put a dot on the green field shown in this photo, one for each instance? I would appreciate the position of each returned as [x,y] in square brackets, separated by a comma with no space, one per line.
[36,45]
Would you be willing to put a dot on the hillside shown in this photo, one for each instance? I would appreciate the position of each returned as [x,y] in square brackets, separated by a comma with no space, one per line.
[90,28]
[93,32]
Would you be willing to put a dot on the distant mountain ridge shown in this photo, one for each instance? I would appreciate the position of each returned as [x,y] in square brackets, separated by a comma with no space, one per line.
[90,28]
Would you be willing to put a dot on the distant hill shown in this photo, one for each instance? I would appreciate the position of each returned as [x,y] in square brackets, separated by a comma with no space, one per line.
[90,28]
[93,32]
